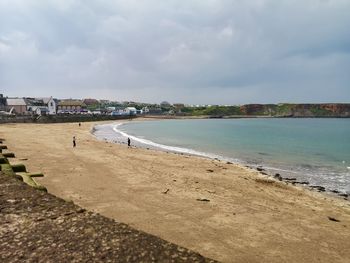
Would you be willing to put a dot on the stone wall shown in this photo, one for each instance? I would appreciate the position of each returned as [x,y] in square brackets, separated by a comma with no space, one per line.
[60,118]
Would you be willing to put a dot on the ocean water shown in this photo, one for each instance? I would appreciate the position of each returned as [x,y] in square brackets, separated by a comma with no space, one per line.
[313,150]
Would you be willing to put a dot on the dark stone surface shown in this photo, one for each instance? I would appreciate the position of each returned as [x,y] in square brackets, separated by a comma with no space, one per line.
[39,227]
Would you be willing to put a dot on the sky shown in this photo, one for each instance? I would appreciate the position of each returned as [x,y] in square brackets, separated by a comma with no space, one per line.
[181,51]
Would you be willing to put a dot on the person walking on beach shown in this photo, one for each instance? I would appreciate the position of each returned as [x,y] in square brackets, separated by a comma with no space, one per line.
[128,142]
[79,124]
[74,143]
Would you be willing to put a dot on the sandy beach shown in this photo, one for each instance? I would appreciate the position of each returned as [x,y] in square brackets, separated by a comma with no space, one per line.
[223,211]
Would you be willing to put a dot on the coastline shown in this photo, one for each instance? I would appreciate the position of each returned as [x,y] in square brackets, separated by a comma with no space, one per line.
[278,173]
[218,209]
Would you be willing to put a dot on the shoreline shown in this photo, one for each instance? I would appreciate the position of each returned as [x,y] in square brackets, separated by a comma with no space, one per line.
[220,210]
[272,172]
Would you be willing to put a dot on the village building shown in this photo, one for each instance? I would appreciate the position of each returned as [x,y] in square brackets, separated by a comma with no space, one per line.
[71,106]
[17,105]
[130,111]
[51,104]
[178,107]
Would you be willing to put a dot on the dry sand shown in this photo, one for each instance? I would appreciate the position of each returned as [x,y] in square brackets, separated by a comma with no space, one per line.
[249,217]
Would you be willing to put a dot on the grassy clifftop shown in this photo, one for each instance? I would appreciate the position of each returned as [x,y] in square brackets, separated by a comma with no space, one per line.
[275,110]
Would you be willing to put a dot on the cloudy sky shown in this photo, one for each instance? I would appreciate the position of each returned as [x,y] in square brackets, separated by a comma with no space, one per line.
[191,51]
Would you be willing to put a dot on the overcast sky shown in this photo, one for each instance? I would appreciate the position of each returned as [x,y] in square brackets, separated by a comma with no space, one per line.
[190,51]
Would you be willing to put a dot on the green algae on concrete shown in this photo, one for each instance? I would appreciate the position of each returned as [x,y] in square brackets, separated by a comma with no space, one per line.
[27,178]
[19,171]
[6,168]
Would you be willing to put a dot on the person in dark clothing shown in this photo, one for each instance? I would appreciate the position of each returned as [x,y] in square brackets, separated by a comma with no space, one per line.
[79,124]
[129,142]
[74,142]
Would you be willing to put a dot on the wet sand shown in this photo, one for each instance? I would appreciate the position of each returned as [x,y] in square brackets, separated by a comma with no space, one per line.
[223,211]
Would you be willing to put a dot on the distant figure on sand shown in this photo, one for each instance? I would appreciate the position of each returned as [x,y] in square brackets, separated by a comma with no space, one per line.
[74,143]
[129,142]
[79,124]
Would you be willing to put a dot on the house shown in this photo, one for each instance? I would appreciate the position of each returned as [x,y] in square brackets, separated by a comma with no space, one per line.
[156,110]
[126,111]
[145,110]
[130,111]
[178,107]
[51,104]
[71,105]
[17,105]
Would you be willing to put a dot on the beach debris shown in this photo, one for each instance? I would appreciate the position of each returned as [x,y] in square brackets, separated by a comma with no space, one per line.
[166,191]
[263,173]
[318,188]
[260,169]
[344,195]
[278,177]
[228,163]
[290,179]
[211,191]
[203,199]
[333,219]
[210,170]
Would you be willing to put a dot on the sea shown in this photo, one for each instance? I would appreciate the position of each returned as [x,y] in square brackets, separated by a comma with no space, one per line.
[308,149]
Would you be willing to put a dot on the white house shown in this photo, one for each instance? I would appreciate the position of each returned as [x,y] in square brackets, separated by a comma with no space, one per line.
[51,105]
[125,112]
[130,111]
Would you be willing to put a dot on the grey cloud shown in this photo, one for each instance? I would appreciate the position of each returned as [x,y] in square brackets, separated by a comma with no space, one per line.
[191,51]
